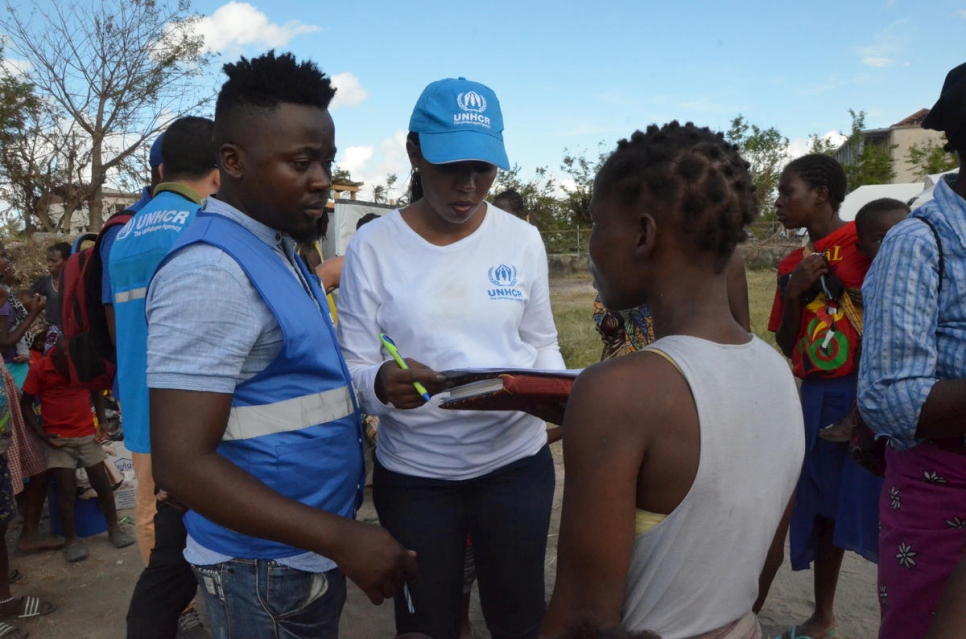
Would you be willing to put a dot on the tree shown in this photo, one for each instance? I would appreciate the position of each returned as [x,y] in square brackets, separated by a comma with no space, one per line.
[538,195]
[766,151]
[120,69]
[391,179]
[41,161]
[582,171]
[819,144]
[931,158]
[867,162]
[378,193]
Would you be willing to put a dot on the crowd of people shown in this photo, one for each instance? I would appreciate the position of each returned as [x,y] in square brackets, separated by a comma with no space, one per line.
[690,450]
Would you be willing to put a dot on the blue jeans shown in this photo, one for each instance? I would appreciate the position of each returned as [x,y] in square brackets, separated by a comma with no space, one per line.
[263,598]
[506,513]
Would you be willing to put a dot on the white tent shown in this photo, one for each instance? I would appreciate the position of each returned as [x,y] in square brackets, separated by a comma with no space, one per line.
[342,224]
[930,184]
[865,194]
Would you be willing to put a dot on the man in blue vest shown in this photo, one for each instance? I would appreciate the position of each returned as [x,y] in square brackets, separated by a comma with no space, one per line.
[254,423]
[189,173]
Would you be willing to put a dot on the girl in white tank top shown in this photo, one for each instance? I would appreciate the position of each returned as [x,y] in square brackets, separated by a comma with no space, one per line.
[680,459]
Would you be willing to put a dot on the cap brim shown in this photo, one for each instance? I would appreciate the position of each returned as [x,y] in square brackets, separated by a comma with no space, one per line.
[463,146]
[932,119]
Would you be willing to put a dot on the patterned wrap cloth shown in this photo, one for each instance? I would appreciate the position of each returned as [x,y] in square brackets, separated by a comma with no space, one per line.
[26,455]
[922,507]
[623,332]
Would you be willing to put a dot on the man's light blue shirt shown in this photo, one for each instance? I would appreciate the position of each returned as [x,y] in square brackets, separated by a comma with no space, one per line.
[209,330]
[914,336]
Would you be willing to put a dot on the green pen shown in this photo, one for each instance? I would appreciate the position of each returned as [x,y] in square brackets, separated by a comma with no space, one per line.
[390,346]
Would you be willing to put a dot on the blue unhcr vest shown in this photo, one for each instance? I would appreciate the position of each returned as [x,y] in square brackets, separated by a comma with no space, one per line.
[138,249]
[295,426]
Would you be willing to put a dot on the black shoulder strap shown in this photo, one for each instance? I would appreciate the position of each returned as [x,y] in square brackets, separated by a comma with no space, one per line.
[939,246]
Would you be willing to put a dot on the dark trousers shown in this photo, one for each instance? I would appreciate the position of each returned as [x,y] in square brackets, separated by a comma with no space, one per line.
[167,585]
[507,515]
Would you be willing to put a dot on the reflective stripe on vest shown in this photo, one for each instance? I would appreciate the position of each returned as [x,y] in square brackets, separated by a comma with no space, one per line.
[247,422]
[128,296]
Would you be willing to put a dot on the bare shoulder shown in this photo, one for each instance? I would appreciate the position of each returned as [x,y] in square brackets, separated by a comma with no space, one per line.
[625,396]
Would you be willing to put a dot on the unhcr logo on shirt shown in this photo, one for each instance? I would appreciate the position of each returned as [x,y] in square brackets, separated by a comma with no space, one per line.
[473,105]
[505,278]
[149,222]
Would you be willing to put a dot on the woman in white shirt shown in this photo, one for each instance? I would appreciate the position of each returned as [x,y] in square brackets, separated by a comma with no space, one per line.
[456,283]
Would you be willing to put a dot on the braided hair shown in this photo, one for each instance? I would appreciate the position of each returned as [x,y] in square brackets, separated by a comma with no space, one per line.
[691,175]
[820,170]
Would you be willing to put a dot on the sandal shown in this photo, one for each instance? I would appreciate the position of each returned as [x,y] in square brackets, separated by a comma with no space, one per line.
[9,632]
[31,607]
[838,432]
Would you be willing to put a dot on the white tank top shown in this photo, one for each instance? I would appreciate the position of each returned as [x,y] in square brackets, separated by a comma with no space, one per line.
[698,570]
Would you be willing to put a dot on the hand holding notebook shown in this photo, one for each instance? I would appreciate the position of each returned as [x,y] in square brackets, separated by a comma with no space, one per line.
[538,392]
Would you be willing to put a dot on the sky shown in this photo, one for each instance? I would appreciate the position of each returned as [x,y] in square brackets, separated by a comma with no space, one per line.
[578,76]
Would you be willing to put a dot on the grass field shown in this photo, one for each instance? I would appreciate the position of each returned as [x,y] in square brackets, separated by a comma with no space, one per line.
[573,298]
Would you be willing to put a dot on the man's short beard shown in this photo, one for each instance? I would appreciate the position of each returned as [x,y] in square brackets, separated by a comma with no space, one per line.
[314,234]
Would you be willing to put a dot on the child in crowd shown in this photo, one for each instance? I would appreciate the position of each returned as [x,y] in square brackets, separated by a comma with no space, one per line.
[49,285]
[68,428]
[651,438]
[872,222]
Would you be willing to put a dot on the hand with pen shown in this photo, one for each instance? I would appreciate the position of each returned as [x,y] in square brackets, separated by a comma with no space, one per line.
[405,383]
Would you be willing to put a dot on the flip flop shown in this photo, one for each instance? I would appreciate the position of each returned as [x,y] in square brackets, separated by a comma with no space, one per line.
[31,607]
[9,632]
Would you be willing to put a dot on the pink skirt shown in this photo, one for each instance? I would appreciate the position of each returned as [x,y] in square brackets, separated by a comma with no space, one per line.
[923,513]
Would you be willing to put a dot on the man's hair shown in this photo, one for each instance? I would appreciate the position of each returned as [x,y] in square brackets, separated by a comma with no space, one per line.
[875,209]
[265,82]
[818,170]
[365,219]
[60,247]
[515,200]
[188,151]
[690,174]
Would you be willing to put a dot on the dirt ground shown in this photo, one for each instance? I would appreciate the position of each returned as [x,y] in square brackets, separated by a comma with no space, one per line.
[92,595]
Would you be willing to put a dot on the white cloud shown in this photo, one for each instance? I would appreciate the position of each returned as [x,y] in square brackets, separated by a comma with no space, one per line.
[887,45]
[349,90]
[367,165]
[355,158]
[799,146]
[876,61]
[13,67]
[961,13]
[238,24]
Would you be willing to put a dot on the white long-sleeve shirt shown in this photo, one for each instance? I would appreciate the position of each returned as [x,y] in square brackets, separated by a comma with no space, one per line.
[483,301]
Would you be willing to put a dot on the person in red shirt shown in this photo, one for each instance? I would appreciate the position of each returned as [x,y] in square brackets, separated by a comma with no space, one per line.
[817,321]
[68,428]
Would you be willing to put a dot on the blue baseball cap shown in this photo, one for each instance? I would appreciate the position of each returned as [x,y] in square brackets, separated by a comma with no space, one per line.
[155,156]
[459,120]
